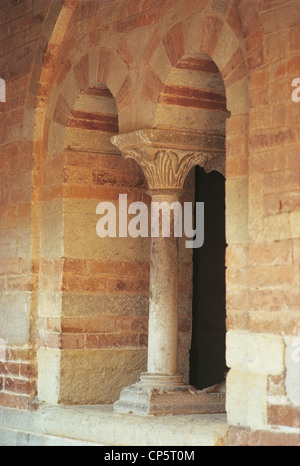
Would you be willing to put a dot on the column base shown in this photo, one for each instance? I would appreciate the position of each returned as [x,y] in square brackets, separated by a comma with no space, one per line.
[168,395]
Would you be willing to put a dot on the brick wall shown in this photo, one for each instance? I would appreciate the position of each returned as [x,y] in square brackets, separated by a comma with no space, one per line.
[22,41]
[272,264]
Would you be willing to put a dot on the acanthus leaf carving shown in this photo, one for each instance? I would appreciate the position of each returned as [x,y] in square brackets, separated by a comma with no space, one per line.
[166,168]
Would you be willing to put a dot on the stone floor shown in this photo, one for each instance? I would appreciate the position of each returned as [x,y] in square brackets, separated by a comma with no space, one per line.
[100,425]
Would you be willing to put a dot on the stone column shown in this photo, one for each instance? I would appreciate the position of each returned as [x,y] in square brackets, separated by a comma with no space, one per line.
[163,326]
[166,158]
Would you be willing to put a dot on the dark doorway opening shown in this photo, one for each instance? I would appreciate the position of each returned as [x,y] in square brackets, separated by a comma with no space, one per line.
[207,355]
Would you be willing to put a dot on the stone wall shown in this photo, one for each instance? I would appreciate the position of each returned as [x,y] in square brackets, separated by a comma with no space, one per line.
[73,308]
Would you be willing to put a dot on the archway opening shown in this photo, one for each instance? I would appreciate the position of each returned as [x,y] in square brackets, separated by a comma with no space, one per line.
[207,355]
[93,317]
[193,99]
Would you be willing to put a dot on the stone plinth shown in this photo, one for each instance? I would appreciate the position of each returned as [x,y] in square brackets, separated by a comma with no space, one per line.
[168,395]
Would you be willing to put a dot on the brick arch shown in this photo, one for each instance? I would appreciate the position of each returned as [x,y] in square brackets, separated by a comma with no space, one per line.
[97,72]
[67,178]
[201,33]
[216,38]
[93,72]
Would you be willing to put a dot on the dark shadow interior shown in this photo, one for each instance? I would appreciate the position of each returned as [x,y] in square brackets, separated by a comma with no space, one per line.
[207,355]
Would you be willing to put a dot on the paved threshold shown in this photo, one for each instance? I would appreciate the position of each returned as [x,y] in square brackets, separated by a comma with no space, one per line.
[101,425]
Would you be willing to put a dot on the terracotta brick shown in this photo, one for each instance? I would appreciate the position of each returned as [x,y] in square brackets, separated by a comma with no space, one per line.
[237,277]
[132,324]
[275,322]
[266,5]
[281,181]
[74,282]
[18,354]
[236,125]
[212,27]
[254,40]
[280,18]
[294,38]
[10,369]
[279,276]
[260,118]
[72,341]
[237,74]
[75,265]
[8,217]
[259,97]
[174,43]
[136,269]
[276,46]
[236,145]
[62,111]
[127,285]
[237,436]
[279,160]
[147,16]
[284,415]
[28,371]
[237,310]
[81,72]
[236,59]
[112,341]
[74,175]
[21,283]
[281,202]
[269,139]
[273,438]
[191,6]
[152,86]
[18,385]
[237,256]
[288,68]
[125,95]
[14,401]
[278,253]
[256,58]
[88,325]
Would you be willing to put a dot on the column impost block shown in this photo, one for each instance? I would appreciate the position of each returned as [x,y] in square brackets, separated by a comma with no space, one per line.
[167,156]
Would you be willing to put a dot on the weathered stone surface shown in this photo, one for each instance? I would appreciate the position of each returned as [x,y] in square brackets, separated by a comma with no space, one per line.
[246,398]
[110,428]
[258,353]
[14,318]
[162,395]
[97,377]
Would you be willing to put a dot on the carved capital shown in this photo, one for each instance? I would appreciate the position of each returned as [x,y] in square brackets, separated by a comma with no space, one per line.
[217,164]
[166,168]
[166,157]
